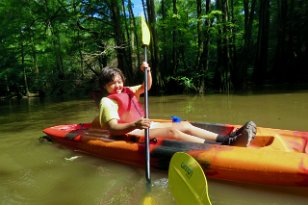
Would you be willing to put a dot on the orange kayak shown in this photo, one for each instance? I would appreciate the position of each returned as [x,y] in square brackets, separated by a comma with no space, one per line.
[275,157]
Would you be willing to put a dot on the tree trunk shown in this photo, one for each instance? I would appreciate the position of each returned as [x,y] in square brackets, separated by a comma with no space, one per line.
[224,64]
[199,28]
[122,52]
[164,56]
[128,38]
[153,46]
[174,40]
[24,66]
[79,46]
[239,77]
[134,38]
[262,43]
[203,44]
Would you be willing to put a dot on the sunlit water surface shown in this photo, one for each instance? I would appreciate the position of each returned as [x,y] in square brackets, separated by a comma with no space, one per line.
[36,173]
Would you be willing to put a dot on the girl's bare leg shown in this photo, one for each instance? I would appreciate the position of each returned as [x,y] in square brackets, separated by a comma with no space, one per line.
[188,129]
[183,130]
[170,132]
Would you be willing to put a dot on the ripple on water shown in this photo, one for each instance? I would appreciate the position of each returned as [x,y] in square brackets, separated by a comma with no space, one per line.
[23,187]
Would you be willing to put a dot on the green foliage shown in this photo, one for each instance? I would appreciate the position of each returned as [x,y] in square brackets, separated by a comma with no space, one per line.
[186,83]
[58,45]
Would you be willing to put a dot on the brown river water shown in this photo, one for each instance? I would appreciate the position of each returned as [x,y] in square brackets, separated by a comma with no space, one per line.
[42,173]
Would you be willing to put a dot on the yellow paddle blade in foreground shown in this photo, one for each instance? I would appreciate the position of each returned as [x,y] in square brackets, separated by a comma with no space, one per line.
[146,36]
[148,200]
[187,181]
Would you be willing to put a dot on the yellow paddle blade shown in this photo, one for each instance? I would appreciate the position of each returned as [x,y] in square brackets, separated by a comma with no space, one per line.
[187,181]
[148,200]
[146,36]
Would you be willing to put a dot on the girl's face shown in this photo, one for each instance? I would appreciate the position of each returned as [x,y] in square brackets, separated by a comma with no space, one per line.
[115,86]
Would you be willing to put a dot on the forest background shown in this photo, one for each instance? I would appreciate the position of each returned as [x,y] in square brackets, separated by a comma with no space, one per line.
[59,47]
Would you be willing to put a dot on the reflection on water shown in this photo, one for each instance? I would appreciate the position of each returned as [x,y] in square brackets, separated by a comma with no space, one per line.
[40,173]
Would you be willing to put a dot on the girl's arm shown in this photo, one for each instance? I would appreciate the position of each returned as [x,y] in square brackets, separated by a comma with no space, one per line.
[122,128]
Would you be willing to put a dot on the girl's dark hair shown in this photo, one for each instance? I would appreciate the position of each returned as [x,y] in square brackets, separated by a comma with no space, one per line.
[108,74]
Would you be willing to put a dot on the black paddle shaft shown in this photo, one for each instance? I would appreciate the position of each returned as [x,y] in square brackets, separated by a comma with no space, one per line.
[146,132]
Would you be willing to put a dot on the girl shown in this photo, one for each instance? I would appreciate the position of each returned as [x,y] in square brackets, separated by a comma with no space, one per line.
[121,113]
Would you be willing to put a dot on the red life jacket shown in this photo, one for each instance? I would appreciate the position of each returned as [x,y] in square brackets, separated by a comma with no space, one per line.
[129,107]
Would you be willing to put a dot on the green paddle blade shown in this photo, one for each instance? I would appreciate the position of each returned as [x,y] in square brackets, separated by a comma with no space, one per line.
[145,32]
[187,181]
